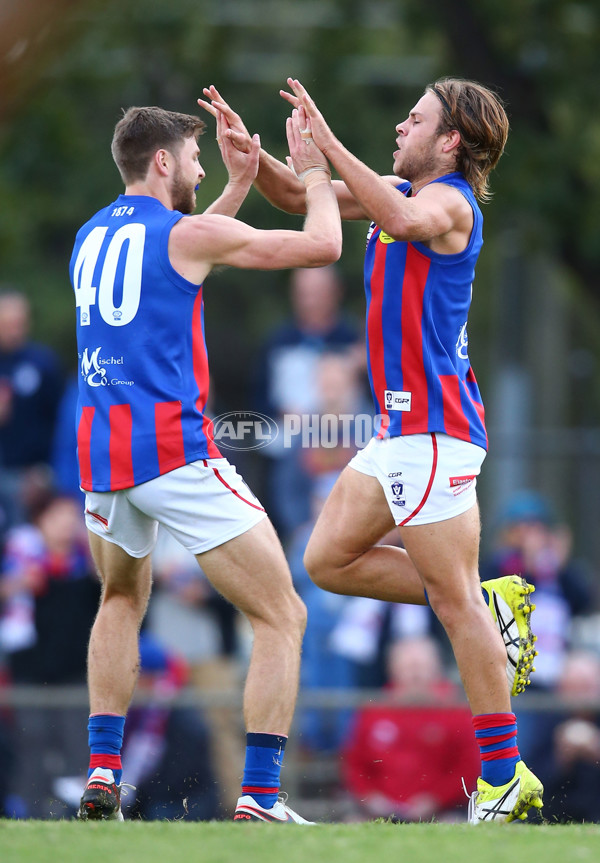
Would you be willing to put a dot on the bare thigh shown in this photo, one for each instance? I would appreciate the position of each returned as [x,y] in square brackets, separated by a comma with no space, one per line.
[251,571]
[354,518]
[345,554]
[120,572]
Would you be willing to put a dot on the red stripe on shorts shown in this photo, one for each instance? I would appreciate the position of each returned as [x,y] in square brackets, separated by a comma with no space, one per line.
[429,484]
[98,517]
[236,493]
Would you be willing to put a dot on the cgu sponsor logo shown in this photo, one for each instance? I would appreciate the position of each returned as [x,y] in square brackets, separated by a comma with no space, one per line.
[397,400]
[93,369]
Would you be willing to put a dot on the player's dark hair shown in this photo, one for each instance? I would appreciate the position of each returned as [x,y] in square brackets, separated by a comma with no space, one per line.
[479,116]
[143,131]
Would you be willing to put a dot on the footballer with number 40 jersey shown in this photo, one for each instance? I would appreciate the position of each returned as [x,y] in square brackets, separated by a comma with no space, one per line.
[142,353]
[144,445]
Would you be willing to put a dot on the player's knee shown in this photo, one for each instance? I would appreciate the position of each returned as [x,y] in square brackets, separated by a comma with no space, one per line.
[452,611]
[131,598]
[294,614]
[319,566]
[285,618]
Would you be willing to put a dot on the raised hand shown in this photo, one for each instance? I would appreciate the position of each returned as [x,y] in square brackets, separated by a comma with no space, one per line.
[236,131]
[299,98]
[305,157]
[241,164]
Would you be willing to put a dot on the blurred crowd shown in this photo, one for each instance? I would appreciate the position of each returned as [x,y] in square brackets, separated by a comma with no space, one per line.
[401,757]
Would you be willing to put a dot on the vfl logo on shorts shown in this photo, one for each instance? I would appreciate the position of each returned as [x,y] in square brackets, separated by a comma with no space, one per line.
[396,400]
[398,492]
[458,484]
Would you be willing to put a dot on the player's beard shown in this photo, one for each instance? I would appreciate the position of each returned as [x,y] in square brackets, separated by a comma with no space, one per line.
[417,165]
[182,194]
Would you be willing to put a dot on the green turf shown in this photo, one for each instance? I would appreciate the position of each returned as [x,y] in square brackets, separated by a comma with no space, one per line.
[224,842]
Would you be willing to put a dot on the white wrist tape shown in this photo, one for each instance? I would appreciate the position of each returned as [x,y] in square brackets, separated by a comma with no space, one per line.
[303,174]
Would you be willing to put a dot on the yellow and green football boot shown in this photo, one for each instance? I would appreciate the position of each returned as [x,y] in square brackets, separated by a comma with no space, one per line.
[509,601]
[507,802]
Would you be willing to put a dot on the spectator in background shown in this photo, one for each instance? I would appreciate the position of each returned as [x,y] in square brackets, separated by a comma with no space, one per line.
[407,760]
[47,576]
[287,379]
[30,388]
[366,628]
[567,749]
[323,441]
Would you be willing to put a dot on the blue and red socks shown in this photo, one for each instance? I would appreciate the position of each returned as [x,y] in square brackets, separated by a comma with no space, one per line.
[105,738]
[496,734]
[264,757]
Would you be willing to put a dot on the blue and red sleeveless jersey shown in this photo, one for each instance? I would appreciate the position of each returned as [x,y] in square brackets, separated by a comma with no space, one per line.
[417,309]
[143,366]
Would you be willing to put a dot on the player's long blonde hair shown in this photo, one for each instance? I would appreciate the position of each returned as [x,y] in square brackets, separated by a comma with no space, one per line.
[479,116]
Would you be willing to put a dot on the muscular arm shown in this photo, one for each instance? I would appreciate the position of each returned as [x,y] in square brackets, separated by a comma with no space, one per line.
[230,200]
[282,189]
[435,212]
[439,215]
[198,243]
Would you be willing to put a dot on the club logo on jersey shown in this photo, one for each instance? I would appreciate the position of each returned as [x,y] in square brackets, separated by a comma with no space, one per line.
[397,400]
[398,492]
[91,372]
[93,369]
[462,344]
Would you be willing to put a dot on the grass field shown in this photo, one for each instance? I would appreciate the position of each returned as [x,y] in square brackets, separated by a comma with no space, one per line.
[224,842]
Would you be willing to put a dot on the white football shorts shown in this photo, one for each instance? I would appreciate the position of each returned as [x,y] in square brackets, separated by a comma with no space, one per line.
[202,504]
[425,477]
